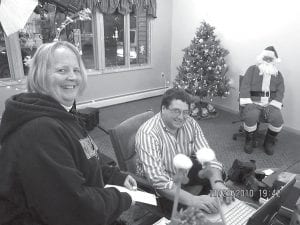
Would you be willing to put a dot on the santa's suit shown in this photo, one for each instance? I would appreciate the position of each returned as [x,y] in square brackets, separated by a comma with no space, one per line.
[261,96]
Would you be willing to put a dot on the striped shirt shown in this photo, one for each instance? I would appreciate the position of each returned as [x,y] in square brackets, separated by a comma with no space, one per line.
[156,147]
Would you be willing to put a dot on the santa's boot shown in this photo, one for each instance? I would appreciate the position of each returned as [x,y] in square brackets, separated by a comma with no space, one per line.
[270,142]
[248,147]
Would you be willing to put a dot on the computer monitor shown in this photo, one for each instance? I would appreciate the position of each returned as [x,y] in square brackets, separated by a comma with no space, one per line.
[268,210]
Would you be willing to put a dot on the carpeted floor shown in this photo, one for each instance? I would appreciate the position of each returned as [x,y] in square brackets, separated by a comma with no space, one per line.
[218,131]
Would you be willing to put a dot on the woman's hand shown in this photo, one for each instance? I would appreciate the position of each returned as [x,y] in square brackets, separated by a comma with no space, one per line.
[130,183]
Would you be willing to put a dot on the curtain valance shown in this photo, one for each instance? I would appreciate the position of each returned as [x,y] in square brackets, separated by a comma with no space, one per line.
[123,6]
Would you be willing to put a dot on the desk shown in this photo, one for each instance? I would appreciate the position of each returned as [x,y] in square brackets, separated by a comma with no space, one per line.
[284,213]
[286,209]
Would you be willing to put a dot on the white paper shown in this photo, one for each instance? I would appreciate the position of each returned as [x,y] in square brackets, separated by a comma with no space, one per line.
[137,196]
[162,221]
[268,172]
[15,13]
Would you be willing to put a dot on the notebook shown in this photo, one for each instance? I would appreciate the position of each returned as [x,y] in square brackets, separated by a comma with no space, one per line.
[240,213]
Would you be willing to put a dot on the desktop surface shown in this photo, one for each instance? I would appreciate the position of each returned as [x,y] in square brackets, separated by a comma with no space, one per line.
[259,216]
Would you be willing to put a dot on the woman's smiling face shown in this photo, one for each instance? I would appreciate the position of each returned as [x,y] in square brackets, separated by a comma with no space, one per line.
[64,77]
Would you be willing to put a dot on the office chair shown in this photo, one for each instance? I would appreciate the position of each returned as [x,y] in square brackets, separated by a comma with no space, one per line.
[123,141]
[259,134]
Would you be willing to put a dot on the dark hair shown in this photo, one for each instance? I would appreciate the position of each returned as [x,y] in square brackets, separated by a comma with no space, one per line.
[175,93]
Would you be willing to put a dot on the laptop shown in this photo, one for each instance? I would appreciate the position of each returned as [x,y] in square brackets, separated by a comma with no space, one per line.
[241,213]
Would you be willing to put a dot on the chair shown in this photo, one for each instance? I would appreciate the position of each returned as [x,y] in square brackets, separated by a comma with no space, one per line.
[259,136]
[123,141]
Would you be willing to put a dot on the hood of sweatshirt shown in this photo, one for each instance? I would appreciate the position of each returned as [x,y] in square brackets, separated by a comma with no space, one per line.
[24,107]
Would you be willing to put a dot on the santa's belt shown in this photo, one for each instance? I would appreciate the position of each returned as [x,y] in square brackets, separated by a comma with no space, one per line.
[261,93]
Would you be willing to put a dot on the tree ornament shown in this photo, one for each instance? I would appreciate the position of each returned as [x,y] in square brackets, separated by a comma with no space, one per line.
[210,108]
[204,112]
[195,111]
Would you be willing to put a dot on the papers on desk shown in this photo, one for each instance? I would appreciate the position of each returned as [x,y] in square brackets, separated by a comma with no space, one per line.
[162,221]
[137,196]
[268,172]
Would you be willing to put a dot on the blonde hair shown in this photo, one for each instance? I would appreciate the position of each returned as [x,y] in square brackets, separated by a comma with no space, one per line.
[43,60]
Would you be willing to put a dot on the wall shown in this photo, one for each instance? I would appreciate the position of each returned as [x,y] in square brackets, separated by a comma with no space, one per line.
[245,28]
[105,86]
[115,84]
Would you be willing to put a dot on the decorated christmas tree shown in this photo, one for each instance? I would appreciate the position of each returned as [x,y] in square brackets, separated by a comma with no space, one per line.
[203,71]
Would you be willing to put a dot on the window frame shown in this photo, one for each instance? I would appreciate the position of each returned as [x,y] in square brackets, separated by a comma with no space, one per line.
[127,66]
[15,61]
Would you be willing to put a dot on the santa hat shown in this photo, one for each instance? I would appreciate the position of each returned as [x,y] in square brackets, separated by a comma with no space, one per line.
[270,52]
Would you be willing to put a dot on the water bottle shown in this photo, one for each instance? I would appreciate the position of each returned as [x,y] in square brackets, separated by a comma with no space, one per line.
[295,220]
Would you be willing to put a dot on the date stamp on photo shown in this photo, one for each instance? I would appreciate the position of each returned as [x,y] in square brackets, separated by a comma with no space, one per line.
[268,193]
[239,193]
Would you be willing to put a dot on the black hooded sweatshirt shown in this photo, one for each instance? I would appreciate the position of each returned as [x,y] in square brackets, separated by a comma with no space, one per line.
[50,173]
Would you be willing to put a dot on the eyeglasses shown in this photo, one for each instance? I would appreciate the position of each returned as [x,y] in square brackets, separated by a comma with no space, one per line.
[177,112]
[268,59]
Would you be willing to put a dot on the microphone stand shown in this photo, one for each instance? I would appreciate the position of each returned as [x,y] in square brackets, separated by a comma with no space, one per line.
[177,181]
[183,165]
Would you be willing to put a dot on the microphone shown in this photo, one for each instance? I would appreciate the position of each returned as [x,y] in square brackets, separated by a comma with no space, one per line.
[204,156]
[182,163]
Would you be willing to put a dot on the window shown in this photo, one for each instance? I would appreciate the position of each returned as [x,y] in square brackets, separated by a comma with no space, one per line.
[84,34]
[4,66]
[107,41]
[138,37]
[42,29]
[30,38]
[114,39]
[126,39]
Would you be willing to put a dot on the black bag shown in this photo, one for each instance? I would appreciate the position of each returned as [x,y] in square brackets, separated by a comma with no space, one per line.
[239,170]
[244,173]
[90,117]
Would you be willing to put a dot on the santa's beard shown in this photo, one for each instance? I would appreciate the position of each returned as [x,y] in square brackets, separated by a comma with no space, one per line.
[267,68]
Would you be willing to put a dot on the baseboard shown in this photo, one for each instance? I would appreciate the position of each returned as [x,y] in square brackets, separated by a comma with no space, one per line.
[289,129]
[292,130]
[118,99]
[230,110]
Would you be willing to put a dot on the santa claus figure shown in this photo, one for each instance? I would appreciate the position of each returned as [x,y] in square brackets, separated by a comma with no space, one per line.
[261,95]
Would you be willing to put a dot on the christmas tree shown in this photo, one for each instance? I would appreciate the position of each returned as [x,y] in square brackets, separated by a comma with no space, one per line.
[203,69]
